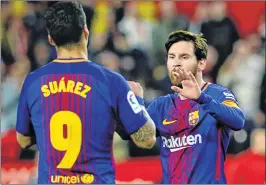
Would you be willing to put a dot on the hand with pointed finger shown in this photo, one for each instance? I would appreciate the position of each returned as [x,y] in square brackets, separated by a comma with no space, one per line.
[136,88]
[190,87]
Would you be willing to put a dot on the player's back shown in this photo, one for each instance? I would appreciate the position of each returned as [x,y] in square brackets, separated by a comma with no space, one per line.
[73,119]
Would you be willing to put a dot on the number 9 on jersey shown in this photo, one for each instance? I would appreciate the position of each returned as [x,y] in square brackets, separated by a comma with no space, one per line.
[72,143]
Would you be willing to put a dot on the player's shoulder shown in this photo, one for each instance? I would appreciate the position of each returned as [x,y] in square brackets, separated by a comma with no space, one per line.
[160,100]
[216,88]
[35,74]
[217,91]
[109,74]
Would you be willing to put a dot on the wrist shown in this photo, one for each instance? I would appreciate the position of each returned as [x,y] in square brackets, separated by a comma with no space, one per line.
[203,98]
[140,100]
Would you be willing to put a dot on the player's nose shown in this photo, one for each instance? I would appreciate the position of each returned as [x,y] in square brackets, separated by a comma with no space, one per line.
[177,66]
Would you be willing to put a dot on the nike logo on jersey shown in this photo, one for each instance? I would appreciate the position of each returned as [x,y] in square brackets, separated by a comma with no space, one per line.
[180,143]
[165,122]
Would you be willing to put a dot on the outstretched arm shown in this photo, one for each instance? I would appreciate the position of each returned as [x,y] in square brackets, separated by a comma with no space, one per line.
[225,110]
[134,117]
[151,110]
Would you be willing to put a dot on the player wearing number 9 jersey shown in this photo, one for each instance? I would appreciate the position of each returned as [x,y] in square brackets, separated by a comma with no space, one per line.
[69,107]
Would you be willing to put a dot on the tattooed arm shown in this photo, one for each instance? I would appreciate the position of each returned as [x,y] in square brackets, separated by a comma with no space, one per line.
[144,137]
[132,118]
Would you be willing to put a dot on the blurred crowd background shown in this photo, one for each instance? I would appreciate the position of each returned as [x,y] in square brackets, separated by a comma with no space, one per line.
[129,37]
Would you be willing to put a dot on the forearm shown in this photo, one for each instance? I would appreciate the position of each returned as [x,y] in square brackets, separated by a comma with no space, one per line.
[120,130]
[227,113]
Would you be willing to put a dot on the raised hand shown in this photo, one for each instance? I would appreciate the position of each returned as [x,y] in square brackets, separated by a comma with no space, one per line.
[190,87]
[136,88]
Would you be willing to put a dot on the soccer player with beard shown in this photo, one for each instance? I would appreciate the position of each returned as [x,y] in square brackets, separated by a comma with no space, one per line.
[194,122]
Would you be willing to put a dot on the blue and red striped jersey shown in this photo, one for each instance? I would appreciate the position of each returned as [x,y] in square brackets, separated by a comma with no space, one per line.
[71,106]
[194,135]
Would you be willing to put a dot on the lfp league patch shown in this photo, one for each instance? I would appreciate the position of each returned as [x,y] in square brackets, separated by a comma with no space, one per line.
[133,102]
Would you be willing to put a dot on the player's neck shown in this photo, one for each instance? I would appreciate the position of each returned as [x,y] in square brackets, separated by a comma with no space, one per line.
[72,52]
[200,80]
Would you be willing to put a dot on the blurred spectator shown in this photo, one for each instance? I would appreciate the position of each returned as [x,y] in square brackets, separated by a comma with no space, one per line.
[200,16]
[134,62]
[212,58]
[169,21]
[251,163]
[112,30]
[6,55]
[100,17]
[109,60]
[137,30]
[263,96]
[3,69]
[120,149]
[261,31]
[242,73]
[220,31]
[42,52]
[98,42]
[118,9]
[261,27]
[147,10]
[15,43]
[34,21]
[10,93]
[160,80]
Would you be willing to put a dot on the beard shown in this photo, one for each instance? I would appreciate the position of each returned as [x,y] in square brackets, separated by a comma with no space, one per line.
[176,81]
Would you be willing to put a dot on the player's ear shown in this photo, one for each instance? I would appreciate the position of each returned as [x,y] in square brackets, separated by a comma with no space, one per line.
[86,31]
[51,41]
[202,64]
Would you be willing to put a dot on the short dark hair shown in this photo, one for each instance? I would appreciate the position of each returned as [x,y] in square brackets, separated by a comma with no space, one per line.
[200,43]
[65,22]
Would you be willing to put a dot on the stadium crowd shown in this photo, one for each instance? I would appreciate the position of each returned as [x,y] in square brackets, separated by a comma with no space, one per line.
[129,37]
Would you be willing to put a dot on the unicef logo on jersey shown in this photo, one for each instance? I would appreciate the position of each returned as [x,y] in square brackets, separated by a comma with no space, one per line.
[180,143]
[133,102]
[74,179]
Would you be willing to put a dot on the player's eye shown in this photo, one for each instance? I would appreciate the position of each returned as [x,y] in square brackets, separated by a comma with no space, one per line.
[184,57]
[171,56]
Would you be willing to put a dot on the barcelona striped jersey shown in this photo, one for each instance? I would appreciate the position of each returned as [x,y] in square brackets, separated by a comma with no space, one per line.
[71,106]
[194,135]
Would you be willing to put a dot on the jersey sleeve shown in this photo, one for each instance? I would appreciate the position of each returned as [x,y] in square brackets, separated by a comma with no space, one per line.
[153,112]
[129,112]
[225,109]
[23,125]
[228,98]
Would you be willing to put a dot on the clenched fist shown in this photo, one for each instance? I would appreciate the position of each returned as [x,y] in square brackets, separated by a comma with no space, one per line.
[136,88]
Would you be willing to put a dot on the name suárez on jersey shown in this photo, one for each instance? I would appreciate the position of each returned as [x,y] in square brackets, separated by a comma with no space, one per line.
[179,143]
[70,86]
